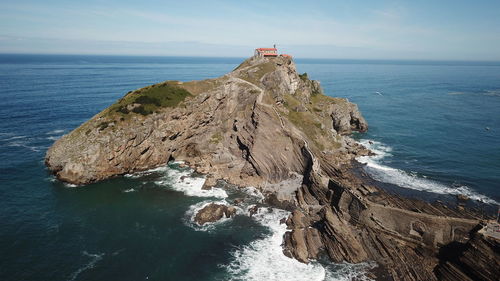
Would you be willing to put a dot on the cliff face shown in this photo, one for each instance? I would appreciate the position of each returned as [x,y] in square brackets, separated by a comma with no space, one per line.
[258,124]
[264,125]
[476,259]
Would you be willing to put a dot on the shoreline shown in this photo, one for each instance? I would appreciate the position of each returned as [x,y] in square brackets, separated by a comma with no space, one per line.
[265,125]
[476,207]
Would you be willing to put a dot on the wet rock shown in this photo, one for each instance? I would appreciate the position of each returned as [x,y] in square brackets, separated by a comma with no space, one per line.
[238,201]
[209,183]
[462,197]
[253,210]
[283,220]
[214,212]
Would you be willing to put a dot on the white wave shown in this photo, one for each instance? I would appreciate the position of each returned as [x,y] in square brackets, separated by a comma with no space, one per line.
[349,271]
[19,144]
[493,93]
[70,185]
[410,180]
[23,141]
[51,178]
[129,190]
[263,259]
[15,138]
[147,172]
[55,132]
[254,192]
[94,258]
[53,138]
[181,180]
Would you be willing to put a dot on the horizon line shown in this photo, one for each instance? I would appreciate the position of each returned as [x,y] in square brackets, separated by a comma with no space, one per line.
[243,57]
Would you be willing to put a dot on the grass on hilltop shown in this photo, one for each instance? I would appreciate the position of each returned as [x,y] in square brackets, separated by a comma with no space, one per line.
[149,99]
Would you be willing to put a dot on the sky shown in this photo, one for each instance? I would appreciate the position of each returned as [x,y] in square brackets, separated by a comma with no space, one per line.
[375,29]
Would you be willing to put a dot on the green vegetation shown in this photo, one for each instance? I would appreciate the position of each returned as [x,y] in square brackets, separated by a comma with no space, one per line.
[311,123]
[303,76]
[305,122]
[149,99]
[197,87]
[290,102]
[320,101]
[103,125]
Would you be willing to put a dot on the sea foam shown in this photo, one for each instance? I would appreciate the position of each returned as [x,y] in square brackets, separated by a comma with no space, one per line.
[94,258]
[263,259]
[383,173]
[182,180]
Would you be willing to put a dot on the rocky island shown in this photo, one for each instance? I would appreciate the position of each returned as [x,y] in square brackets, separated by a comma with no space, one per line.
[267,126]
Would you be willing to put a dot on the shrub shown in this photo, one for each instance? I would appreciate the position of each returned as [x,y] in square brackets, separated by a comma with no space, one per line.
[147,100]
[122,109]
[141,110]
[303,76]
[103,125]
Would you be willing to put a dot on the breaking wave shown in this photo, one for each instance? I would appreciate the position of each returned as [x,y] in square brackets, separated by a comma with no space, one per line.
[55,132]
[263,259]
[182,180]
[386,174]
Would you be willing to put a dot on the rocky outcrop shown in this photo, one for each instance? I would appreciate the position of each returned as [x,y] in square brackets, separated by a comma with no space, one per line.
[213,212]
[349,224]
[347,119]
[264,125]
[248,127]
[476,259]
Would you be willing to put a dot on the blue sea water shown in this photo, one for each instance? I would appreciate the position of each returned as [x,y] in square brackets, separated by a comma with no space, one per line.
[435,126]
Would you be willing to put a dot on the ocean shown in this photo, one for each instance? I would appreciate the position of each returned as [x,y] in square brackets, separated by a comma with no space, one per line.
[435,127]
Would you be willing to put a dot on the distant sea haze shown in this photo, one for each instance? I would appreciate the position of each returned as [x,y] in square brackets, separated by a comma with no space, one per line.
[434,126]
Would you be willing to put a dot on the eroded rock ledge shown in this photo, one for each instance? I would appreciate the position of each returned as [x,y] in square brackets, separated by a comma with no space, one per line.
[266,126]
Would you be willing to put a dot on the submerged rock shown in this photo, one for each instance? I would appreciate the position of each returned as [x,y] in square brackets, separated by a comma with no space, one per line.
[214,212]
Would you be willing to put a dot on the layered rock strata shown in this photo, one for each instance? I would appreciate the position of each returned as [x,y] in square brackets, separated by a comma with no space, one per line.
[264,125]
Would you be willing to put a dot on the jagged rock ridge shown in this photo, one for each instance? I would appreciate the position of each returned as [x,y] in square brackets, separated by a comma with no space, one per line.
[255,125]
[266,126]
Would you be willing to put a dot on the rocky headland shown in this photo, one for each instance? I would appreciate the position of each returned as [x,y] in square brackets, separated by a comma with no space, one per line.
[267,126]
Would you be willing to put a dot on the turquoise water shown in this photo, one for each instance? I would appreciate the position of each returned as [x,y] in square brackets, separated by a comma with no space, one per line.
[427,121]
